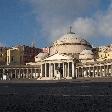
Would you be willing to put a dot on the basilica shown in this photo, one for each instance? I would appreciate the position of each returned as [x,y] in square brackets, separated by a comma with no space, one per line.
[71,57]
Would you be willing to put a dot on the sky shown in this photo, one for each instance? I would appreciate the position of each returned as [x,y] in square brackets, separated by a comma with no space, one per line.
[44,21]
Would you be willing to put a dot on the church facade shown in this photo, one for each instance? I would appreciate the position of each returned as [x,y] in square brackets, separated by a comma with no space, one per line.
[64,56]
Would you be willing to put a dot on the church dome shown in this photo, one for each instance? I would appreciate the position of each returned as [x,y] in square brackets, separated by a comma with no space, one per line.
[86,54]
[71,38]
[69,43]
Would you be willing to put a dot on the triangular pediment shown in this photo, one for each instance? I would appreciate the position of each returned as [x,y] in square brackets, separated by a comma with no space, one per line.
[58,57]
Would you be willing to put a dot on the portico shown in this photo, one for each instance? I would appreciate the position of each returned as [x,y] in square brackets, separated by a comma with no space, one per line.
[58,66]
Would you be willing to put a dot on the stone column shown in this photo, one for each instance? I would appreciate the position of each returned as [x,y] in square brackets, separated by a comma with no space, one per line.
[86,71]
[35,73]
[89,71]
[45,69]
[7,75]
[50,70]
[31,73]
[19,73]
[82,71]
[101,71]
[59,74]
[111,69]
[27,73]
[11,73]
[73,69]
[3,72]
[76,72]
[105,71]
[41,74]
[68,69]
[93,71]
[97,71]
[54,70]
[63,70]
[23,73]
[15,74]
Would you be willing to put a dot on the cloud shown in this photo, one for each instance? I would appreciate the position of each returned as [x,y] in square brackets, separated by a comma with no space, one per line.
[99,26]
[85,27]
[105,24]
[55,17]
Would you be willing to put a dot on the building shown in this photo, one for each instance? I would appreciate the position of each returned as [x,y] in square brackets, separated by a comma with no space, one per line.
[14,56]
[29,53]
[38,59]
[3,55]
[45,50]
[95,51]
[105,53]
[22,54]
[60,62]
[86,56]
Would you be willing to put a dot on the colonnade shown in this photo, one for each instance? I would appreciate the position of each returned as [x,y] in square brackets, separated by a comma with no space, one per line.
[62,70]
[69,70]
[56,70]
[100,70]
[12,72]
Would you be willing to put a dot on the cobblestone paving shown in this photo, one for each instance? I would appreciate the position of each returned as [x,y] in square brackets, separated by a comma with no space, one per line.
[56,97]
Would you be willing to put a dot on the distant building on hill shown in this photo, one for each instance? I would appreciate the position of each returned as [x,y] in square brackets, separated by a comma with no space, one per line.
[3,55]
[105,53]
[14,56]
[22,54]
[46,50]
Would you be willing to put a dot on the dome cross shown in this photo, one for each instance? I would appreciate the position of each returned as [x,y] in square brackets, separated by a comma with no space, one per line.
[70,32]
[70,29]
